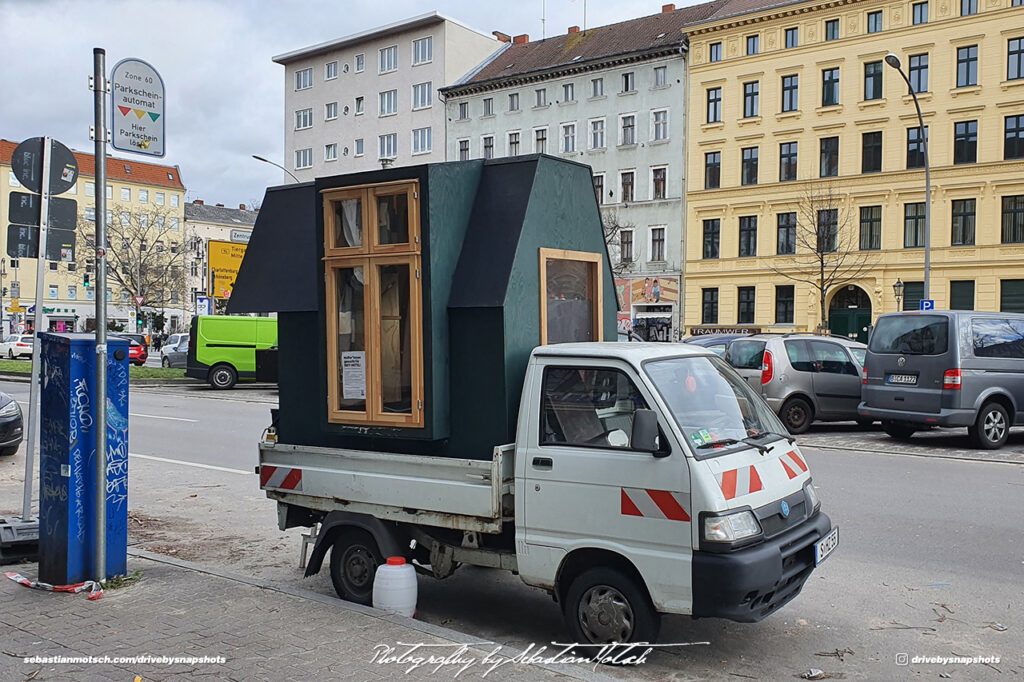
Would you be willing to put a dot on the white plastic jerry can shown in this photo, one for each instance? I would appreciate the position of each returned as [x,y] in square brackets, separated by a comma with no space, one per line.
[394,587]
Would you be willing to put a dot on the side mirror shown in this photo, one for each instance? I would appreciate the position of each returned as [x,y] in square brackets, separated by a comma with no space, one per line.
[645,432]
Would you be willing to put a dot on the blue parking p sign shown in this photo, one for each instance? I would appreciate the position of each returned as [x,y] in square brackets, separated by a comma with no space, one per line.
[927,304]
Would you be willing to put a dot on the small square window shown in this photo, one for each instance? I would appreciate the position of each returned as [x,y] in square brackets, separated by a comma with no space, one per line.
[792,37]
[331,71]
[832,29]
[875,22]
[753,44]
[920,11]
[715,52]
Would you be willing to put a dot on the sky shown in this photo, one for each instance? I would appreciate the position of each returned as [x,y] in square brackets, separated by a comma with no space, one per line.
[224,95]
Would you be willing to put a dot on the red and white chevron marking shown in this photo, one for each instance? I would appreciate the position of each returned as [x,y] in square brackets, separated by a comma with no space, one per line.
[791,458]
[654,504]
[283,478]
[739,482]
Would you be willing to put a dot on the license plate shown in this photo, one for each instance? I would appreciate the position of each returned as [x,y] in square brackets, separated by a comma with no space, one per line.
[902,379]
[824,546]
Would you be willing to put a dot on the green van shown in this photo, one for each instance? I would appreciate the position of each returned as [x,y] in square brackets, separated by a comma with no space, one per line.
[223,349]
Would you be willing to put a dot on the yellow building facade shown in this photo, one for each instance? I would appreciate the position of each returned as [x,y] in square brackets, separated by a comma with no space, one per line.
[809,80]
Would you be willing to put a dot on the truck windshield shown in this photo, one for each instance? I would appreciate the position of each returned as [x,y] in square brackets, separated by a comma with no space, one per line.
[714,408]
[911,335]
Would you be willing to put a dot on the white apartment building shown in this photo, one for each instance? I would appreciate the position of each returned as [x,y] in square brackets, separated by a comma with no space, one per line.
[352,102]
[613,98]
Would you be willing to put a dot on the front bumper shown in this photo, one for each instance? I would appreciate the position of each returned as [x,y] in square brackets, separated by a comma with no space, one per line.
[750,584]
[11,431]
[944,417]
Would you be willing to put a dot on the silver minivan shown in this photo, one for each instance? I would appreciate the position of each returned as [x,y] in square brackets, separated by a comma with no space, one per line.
[946,368]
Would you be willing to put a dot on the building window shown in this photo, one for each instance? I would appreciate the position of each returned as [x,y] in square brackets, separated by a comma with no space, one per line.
[126,194]
[628,84]
[628,130]
[1015,59]
[72,292]
[829,167]
[359,147]
[787,161]
[660,76]
[830,87]
[53,289]
[626,183]
[658,244]
[712,237]
[832,29]
[540,97]
[751,106]
[870,228]
[786,237]
[963,222]
[331,71]
[784,303]
[90,214]
[359,106]
[873,80]
[1013,219]
[915,147]
[597,87]
[143,196]
[871,152]
[749,167]
[513,143]
[967,66]
[913,225]
[1013,142]
[745,311]
[626,246]
[599,188]
[540,141]
[792,38]
[709,306]
[303,119]
[748,236]
[423,50]
[920,10]
[463,150]
[389,103]
[753,44]
[597,134]
[659,124]
[1011,295]
[330,111]
[488,145]
[110,188]
[304,79]
[568,138]
[422,95]
[331,152]
[875,22]
[715,52]
[422,142]
[488,106]
[388,59]
[513,101]
[968,7]
[965,142]
[90,189]
[463,111]
[714,105]
[360,63]
[568,92]
[303,158]
[919,72]
[712,170]
[961,295]
[658,182]
[388,146]
[790,93]
[828,230]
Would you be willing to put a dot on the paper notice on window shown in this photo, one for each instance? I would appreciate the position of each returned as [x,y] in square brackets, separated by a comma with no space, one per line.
[353,375]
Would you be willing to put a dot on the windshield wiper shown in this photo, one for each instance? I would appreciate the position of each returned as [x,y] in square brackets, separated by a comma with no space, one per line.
[718,443]
[765,434]
[762,449]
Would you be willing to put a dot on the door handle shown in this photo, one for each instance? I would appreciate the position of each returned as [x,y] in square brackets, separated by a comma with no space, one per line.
[542,462]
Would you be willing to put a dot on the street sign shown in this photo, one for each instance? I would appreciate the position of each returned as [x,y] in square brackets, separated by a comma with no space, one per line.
[24,210]
[224,258]
[23,242]
[241,236]
[27,165]
[137,108]
[16,289]
[927,304]
[202,305]
[139,300]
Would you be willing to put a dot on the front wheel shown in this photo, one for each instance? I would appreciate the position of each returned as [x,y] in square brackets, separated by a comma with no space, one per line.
[797,415]
[165,362]
[898,431]
[8,451]
[354,561]
[604,605]
[10,353]
[223,377]
[992,427]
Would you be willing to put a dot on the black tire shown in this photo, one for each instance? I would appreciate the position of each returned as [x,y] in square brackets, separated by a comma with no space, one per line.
[10,353]
[354,561]
[797,414]
[865,422]
[992,428]
[166,362]
[898,431]
[223,377]
[605,605]
[8,451]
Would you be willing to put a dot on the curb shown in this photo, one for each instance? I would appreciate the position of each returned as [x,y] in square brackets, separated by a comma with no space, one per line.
[24,379]
[567,670]
[903,453]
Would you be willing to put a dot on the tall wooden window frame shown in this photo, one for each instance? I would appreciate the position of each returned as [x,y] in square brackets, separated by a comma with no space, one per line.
[595,262]
[371,255]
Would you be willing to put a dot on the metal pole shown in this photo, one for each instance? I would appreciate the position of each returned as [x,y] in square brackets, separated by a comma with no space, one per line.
[927,199]
[99,64]
[33,400]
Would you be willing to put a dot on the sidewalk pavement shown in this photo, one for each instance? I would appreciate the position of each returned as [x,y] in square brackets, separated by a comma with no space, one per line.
[262,632]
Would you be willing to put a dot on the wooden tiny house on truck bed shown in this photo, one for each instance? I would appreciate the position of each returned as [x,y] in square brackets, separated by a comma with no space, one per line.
[409,299]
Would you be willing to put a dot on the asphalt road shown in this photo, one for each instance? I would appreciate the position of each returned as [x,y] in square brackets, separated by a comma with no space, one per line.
[930,561]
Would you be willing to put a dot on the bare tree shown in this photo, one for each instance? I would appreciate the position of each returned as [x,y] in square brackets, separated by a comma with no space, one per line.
[613,228]
[825,243]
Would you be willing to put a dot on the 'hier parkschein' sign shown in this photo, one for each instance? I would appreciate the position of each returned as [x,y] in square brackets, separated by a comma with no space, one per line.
[137,108]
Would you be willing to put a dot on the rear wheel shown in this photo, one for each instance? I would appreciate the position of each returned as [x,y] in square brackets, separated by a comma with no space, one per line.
[354,561]
[797,415]
[223,377]
[992,428]
[898,431]
[165,362]
[604,605]
[10,353]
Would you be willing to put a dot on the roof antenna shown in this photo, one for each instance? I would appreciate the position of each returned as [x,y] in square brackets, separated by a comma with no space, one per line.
[543,20]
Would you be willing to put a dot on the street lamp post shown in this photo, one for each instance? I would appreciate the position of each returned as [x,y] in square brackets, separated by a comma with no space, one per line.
[260,158]
[897,290]
[894,61]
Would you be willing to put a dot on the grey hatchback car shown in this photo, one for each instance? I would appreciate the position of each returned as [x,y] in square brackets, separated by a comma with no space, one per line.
[803,377]
[946,368]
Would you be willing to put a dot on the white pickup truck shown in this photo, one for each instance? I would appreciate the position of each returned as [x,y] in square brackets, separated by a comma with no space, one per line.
[645,479]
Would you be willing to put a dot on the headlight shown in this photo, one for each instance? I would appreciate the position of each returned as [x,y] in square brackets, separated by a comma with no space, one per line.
[10,409]
[812,497]
[731,528]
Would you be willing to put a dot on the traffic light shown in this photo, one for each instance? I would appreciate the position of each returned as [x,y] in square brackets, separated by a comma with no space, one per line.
[85,280]
[14,263]
[5,291]
[138,322]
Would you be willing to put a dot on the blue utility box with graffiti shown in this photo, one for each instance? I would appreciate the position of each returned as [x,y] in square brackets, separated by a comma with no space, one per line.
[67,468]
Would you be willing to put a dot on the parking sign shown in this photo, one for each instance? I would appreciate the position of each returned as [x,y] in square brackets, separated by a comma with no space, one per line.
[927,304]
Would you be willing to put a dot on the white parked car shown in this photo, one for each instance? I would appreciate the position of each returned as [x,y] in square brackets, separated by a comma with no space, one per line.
[170,345]
[16,346]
